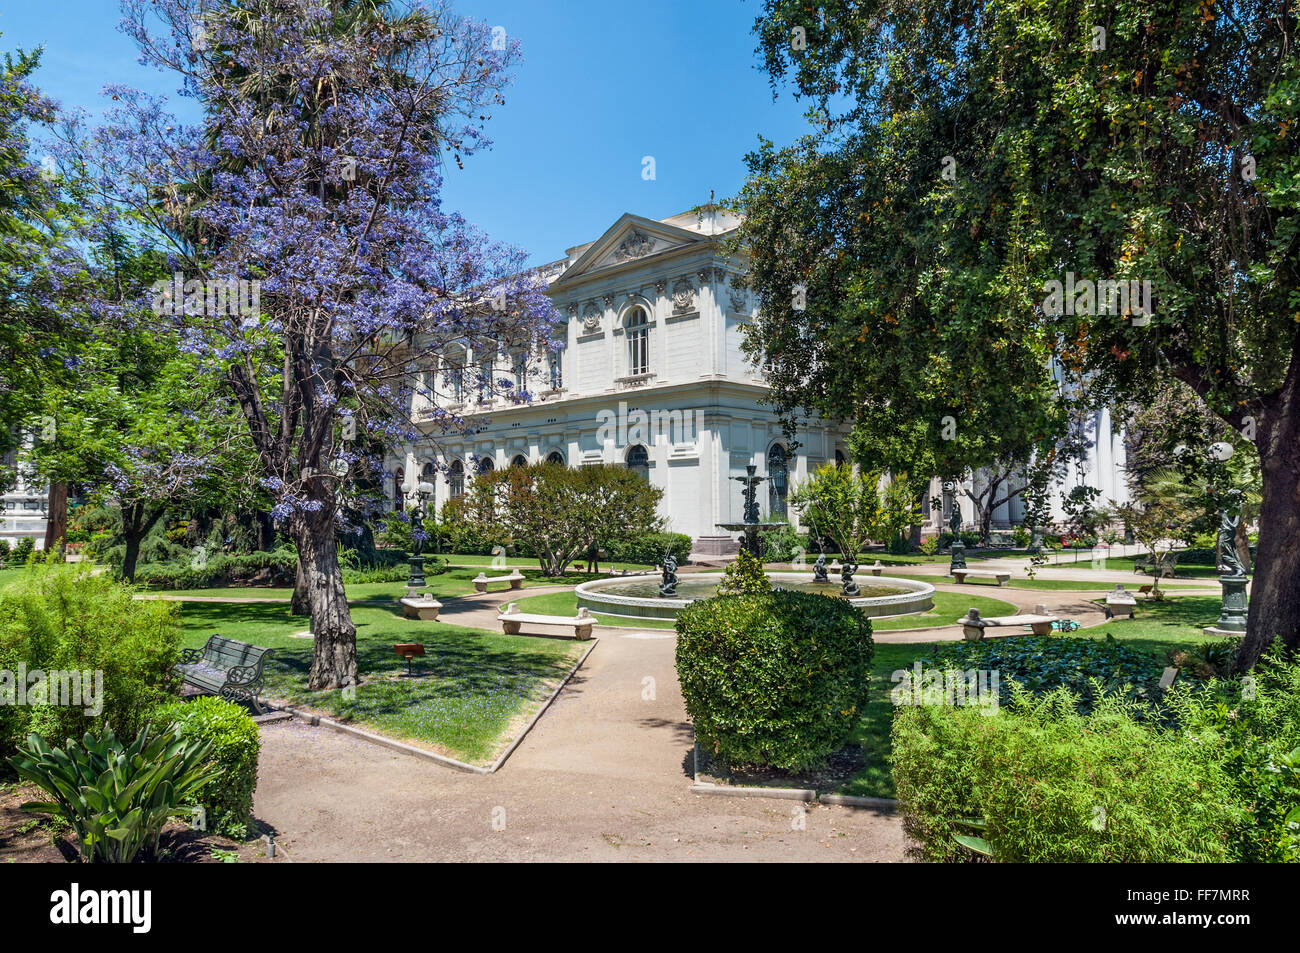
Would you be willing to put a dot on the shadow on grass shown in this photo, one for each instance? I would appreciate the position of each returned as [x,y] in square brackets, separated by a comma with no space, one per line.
[472,684]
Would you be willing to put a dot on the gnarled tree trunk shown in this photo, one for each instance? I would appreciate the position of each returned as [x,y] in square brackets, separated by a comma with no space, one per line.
[334,659]
[1275,594]
[299,605]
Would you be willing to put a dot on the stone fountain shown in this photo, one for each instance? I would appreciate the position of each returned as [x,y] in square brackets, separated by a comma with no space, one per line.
[751,525]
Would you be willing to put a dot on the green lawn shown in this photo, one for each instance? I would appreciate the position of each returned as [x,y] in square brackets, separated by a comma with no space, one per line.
[948,608]
[456,581]
[566,603]
[9,575]
[1125,564]
[1159,629]
[470,694]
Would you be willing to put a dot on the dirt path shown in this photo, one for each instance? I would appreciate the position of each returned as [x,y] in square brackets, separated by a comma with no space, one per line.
[604,775]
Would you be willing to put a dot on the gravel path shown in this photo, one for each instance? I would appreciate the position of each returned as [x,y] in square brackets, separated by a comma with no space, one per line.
[604,775]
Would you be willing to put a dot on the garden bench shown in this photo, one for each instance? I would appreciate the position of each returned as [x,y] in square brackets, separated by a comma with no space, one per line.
[972,626]
[1120,604]
[423,607]
[512,619]
[227,668]
[1002,577]
[877,568]
[1167,564]
[515,578]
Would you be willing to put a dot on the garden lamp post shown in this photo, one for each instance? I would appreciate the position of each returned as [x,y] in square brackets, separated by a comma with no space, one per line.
[419,494]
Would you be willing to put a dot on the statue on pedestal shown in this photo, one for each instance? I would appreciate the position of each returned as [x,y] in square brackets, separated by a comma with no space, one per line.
[668,584]
[846,578]
[819,569]
[1230,563]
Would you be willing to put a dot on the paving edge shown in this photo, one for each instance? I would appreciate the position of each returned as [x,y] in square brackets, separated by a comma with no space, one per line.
[786,794]
[316,720]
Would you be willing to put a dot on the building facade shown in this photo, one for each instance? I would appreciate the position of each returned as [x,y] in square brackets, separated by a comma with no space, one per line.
[652,376]
[23,508]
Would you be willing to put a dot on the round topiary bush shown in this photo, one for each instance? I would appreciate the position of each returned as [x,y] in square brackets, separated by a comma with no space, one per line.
[227,800]
[774,679]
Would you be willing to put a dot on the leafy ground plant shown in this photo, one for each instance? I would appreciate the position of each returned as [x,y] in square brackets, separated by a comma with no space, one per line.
[116,797]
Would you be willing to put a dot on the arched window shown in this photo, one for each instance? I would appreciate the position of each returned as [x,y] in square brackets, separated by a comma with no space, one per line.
[839,458]
[519,461]
[428,473]
[638,461]
[555,457]
[485,465]
[399,496]
[778,481]
[456,477]
[637,328]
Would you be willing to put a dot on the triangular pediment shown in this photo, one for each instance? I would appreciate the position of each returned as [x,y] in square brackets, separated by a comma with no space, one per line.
[629,240]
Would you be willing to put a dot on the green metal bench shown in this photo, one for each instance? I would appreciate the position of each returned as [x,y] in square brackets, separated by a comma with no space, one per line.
[227,668]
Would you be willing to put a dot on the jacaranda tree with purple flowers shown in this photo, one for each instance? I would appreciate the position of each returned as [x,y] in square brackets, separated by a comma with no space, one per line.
[315,268]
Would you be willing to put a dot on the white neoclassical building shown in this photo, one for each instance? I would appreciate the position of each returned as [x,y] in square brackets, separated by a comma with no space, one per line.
[652,376]
[24,507]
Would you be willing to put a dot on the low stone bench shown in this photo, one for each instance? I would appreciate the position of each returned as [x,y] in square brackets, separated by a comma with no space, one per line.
[1120,603]
[1002,577]
[877,568]
[425,608]
[512,619]
[972,626]
[516,580]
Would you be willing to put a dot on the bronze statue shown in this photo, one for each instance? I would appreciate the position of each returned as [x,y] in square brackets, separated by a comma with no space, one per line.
[668,585]
[847,570]
[1230,563]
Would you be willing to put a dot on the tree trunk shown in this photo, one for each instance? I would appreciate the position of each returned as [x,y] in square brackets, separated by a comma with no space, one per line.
[56,524]
[299,605]
[334,659]
[135,527]
[1275,594]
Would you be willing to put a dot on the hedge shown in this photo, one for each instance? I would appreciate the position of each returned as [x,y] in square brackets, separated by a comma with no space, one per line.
[775,679]
[227,800]
[1052,784]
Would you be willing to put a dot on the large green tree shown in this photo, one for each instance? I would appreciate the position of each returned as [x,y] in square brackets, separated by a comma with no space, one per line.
[970,154]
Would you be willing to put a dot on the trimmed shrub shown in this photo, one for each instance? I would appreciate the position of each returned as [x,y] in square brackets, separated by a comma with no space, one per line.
[773,680]
[227,799]
[22,550]
[743,575]
[61,617]
[648,549]
[1054,785]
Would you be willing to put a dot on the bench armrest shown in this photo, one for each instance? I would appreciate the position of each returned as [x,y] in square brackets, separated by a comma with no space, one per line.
[190,656]
[244,674]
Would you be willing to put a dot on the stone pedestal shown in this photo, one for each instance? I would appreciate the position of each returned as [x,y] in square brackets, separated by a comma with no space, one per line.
[415,582]
[958,555]
[1232,619]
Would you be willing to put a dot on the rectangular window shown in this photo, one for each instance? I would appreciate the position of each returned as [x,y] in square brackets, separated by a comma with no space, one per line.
[638,342]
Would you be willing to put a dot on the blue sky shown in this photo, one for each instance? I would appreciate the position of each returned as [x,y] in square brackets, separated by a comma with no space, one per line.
[602,84]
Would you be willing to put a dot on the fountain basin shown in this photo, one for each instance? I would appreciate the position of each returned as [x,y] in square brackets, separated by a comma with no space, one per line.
[639,599]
